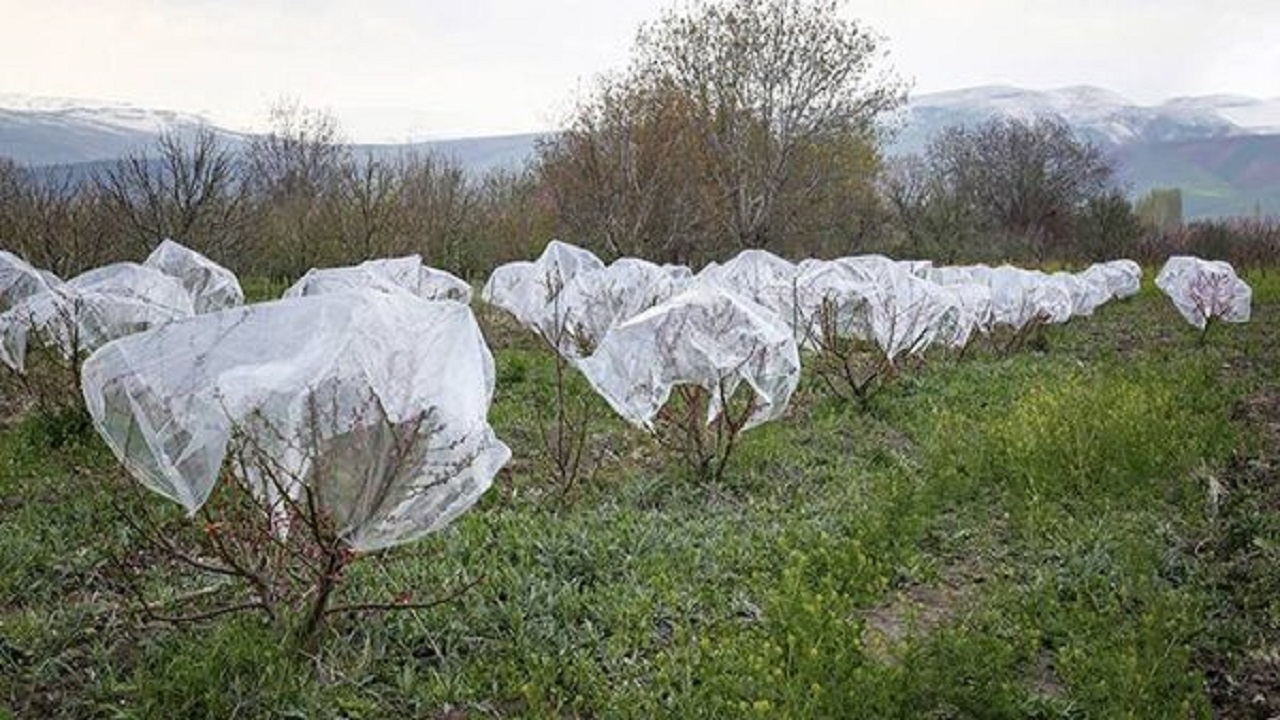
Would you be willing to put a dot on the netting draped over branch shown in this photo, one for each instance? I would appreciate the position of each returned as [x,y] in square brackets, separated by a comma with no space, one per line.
[973,315]
[212,287]
[757,275]
[593,302]
[373,404]
[707,337]
[903,313]
[823,297]
[1204,290]
[528,290]
[1121,278]
[91,310]
[19,280]
[1020,298]
[389,275]
[1085,296]
[911,314]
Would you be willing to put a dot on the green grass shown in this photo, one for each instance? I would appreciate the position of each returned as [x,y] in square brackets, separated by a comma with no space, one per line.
[1031,536]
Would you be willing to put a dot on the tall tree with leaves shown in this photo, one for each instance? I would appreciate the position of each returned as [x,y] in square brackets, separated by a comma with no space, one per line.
[725,128]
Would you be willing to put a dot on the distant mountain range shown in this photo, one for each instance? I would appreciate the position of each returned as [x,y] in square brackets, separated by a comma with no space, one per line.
[1223,151]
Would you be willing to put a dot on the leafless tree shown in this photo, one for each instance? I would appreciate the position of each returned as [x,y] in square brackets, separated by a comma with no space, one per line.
[625,174]
[1029,180]
[706,448]
[369,192]
[275,544]
[56,220]
[438,203]
[934,222]
[514,218]
[294,173]
[190,190]
[768,79]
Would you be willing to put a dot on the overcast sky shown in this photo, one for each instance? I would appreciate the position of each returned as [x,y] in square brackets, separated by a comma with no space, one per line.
[399,69]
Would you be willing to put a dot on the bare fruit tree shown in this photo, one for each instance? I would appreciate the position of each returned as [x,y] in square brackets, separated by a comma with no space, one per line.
[275,538]
[189,190]
[1029,180]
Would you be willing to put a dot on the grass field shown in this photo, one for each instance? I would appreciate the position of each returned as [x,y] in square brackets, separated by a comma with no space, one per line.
[1088,528]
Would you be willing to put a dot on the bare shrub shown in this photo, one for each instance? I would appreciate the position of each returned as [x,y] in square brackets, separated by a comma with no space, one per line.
[275,536]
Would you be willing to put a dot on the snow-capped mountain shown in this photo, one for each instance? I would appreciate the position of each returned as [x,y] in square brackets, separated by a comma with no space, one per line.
[1223,150]
[50,131]
[1105,117]
[106,113]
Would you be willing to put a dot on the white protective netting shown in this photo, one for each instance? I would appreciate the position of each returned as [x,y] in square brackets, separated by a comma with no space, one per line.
[973,316]
[1023,298]
[91,310]
[528,290]
[1121,278]
[1086,296]
[592,302]
[387,275]
[212,287]
[758,275]
[824,300]
[19,280]
[1204,290]
[910,313]
[374,402]
[706,337]
[913,314]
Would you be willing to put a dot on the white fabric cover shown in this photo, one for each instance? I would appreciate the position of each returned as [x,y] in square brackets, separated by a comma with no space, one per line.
[879,301]
[912,314]
[958,274]
[212,287]
[975,313]
[528,290]
[593,302]
[706,336]
[1085,295]
[1202,290]
[757,275]
[91,310]
[388,275]
[823,287]
[678,272]
[1121,278]
[326,385]
[19,280]
[1024,297]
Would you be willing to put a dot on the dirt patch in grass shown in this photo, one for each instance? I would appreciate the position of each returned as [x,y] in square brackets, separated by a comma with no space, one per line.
[1261,413]
[1044,677]
[918,610]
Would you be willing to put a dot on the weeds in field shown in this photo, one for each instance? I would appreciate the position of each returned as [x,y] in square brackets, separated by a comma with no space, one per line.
[1010,536]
